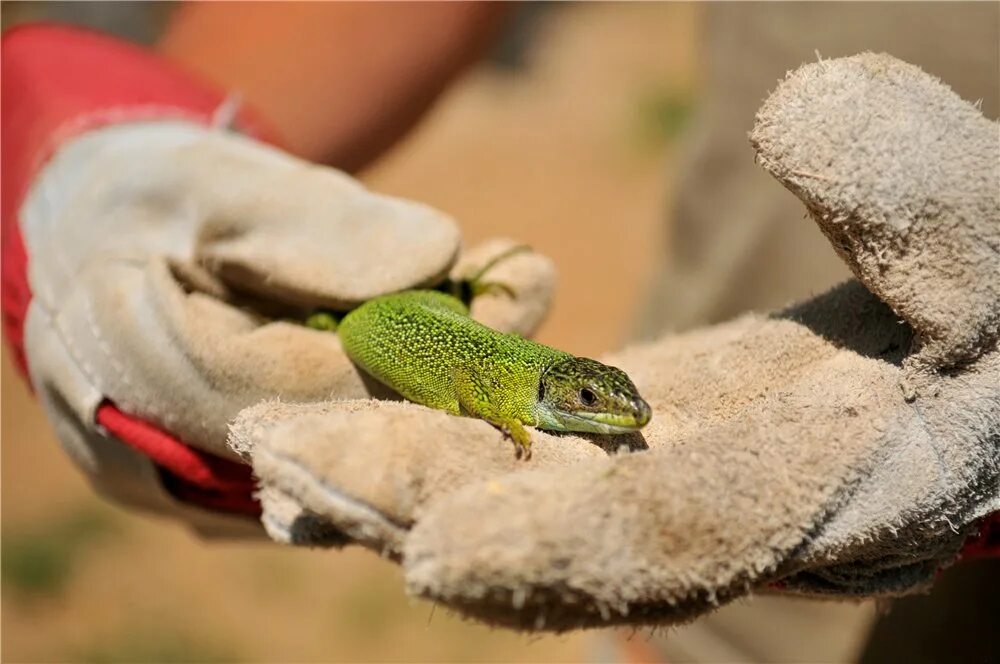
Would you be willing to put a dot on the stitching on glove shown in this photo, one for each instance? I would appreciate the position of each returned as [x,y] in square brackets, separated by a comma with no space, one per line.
[109,357]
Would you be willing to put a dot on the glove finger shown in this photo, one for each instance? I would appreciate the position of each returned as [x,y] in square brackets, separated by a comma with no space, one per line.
[518,285]
[901,174]
[369,467]
[294,232]
[265,222]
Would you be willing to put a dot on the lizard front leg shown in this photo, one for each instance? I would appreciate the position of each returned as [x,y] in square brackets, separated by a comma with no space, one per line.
[474,399]
[471,287]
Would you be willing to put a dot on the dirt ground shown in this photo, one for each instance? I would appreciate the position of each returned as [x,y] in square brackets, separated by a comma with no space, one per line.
[572,155]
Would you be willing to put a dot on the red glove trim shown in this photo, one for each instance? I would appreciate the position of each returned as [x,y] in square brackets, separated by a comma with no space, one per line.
[190,474]
[245,505]
[57,83]
[987,543]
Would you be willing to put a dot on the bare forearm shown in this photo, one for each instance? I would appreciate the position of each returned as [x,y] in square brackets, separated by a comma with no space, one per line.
[341,81]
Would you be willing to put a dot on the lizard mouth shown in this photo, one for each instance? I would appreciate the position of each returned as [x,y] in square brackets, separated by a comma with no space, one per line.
[607,422]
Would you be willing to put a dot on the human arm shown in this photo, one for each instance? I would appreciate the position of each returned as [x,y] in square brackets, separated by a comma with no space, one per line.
[342,81]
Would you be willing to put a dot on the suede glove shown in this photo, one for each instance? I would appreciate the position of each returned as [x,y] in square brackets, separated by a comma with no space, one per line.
[159,268]
[847,446]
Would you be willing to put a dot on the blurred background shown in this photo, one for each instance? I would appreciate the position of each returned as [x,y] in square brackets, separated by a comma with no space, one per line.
[584,117]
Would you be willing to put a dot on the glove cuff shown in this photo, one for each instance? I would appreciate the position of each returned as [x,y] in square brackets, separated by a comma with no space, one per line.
[59,82]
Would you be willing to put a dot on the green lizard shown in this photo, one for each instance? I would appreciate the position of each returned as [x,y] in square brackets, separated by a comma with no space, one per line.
[424,345]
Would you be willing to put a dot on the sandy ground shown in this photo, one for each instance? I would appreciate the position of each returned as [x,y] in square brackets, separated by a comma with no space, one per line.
[564,157]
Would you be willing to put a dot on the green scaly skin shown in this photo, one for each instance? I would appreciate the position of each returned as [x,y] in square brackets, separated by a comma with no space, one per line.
[424,345]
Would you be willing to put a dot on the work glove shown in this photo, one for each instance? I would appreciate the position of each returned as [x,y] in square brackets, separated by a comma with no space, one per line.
[158,267]
[847,446]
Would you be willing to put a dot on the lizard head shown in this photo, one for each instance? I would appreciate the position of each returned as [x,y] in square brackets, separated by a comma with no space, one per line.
[577,394]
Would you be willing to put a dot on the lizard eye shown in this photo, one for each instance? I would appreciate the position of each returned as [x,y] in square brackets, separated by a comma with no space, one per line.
[587,397]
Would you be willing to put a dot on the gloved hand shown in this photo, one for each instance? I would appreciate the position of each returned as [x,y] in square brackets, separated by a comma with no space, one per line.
[166,262]
[847,446]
